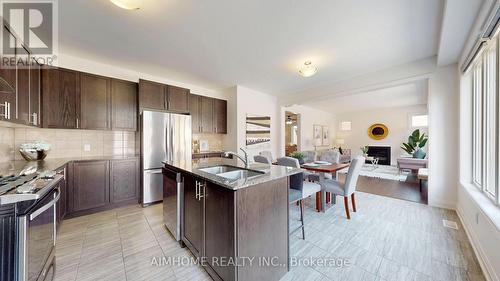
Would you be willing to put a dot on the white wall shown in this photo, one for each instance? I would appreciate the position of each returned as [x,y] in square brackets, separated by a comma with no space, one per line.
[396,119]
[308,117]
[443,136]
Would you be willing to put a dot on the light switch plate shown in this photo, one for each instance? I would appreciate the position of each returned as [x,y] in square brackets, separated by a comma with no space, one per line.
[86,147]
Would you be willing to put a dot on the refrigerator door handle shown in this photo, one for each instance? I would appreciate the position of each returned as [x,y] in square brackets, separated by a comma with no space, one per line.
[153,171]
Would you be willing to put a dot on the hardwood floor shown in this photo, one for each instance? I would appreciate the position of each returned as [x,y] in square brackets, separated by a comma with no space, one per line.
[386,239]
[408,190]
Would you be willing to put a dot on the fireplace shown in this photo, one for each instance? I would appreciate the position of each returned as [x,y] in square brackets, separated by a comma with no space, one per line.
[383,153]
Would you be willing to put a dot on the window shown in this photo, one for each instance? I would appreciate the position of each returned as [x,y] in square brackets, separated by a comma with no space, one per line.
[485,121]
[419,121]
[345,125]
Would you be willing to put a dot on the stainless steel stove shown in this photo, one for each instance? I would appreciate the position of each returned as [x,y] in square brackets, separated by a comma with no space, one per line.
[28,204]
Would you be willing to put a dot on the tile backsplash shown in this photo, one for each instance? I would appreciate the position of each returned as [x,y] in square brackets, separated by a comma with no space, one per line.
[214,140]
[67,143]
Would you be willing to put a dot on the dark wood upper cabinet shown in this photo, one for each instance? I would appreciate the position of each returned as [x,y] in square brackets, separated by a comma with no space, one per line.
[35,94]
[193,215]
[95,96]
[124,105]
[124,180]
[60,98]
[152,95]
[90,185]
[8,72]
[194,110]
[220,116]
[177,99]
[23,86]
[207,115]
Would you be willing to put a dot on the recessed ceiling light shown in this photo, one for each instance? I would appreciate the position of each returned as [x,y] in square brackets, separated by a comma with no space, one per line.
[308,69]
[128,4]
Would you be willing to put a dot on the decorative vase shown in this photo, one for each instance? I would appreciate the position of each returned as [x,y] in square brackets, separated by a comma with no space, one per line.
[419,154]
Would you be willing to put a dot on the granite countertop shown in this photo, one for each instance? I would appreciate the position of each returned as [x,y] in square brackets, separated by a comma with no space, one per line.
[18,166]
[272,172]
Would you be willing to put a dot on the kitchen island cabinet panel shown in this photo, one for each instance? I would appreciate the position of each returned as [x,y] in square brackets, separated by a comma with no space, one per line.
[193,215]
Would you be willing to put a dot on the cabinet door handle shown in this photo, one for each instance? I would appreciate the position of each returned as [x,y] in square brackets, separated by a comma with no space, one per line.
[6,112]
[196,189]
[35,119]
[201,194]
[77,123]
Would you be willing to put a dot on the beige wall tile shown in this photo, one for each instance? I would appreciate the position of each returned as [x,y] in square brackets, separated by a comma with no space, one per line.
[67,143]
[6,144]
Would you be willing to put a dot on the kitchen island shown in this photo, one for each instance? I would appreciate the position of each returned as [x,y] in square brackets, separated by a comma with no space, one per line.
[235,220]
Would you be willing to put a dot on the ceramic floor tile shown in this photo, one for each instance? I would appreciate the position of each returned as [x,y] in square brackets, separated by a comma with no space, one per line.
[387,239]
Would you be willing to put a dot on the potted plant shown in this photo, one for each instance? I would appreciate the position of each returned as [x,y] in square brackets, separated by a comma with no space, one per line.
[416,141]
[299,156]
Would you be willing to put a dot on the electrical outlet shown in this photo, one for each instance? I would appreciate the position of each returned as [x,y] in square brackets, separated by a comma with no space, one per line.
[86,147]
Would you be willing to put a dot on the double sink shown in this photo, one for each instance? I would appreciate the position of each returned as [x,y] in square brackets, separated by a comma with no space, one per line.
[232,173]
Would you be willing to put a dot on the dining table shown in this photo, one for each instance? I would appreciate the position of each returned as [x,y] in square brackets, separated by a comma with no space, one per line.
[324,168]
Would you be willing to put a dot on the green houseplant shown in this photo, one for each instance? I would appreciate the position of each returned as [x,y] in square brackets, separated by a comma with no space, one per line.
[416,141]
[299,156]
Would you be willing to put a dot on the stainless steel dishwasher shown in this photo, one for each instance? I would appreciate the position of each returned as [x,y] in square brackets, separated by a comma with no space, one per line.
[172,202]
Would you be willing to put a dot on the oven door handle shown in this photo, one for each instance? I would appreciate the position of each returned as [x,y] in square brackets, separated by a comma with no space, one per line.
[47,206]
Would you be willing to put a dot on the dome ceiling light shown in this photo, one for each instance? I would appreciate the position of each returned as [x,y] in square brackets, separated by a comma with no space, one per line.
[308,69]
[128,4]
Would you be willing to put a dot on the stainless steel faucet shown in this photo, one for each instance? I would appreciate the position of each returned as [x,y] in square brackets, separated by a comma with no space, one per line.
[242,158]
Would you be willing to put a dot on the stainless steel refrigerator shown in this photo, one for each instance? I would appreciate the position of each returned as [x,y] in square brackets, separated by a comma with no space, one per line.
[164,137]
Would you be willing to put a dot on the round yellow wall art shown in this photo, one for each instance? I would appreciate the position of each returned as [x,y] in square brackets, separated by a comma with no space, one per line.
[378,131]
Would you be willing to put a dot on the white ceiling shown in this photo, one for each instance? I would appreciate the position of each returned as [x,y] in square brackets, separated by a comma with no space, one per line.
[414,93]
[257,44]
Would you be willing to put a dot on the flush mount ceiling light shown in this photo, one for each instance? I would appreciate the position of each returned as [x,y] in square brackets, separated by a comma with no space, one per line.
[308,69]
[128,4]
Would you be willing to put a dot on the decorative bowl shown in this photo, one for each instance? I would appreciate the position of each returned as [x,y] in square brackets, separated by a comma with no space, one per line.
[33,154]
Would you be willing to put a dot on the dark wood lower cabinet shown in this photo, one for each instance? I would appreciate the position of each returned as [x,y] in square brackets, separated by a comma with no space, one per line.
[90,185]
[94,186]
[124,180]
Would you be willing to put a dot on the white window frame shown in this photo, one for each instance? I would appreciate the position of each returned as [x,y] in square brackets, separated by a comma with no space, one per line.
[410,120]
[486,169]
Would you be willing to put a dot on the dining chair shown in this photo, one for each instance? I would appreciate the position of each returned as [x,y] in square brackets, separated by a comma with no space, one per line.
[268,154]
[328,156]
[346,189]
[309,156]
[299,189]
[261,159]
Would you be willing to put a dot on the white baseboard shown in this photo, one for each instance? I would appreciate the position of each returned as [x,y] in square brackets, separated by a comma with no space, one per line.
[482,258]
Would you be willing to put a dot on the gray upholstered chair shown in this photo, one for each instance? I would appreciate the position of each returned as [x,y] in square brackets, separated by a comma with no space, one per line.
[346,189]
[299,190]
[262,159]
[309,156]
[330,156]
[267,154]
